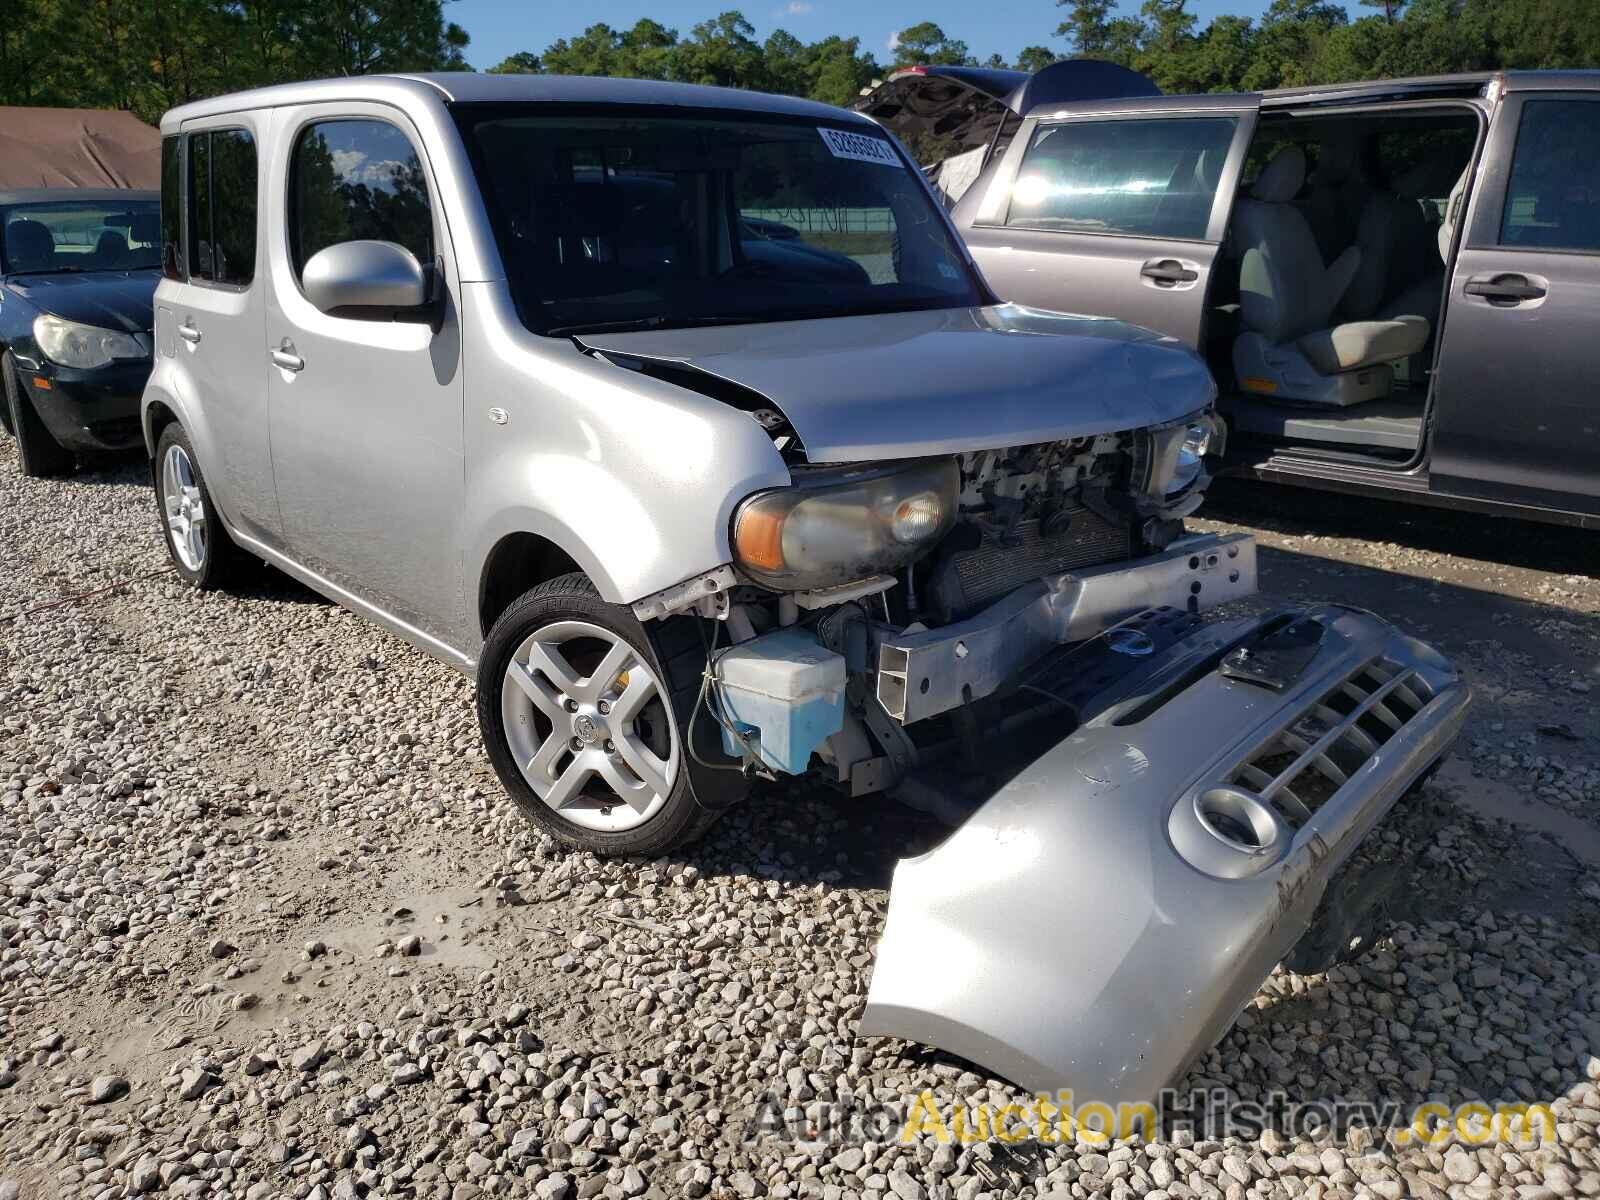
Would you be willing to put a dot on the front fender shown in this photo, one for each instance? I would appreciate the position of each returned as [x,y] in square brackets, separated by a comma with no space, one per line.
[633,477]
[1084,931]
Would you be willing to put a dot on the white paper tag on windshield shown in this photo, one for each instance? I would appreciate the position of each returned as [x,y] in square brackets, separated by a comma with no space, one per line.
[859,146]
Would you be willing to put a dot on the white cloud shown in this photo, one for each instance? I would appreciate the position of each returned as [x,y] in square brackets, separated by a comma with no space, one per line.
[348,162]
[799,8]
[382,174]
[894,40]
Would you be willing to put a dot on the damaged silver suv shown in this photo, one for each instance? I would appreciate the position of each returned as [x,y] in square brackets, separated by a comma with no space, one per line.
[682,419]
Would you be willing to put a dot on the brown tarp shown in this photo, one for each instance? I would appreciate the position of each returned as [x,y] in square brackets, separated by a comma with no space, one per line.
[77,147]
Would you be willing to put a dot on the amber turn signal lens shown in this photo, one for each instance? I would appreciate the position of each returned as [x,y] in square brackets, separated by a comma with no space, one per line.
[758,539]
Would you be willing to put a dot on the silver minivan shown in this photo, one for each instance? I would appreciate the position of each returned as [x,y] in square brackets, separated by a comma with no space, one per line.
[682,419]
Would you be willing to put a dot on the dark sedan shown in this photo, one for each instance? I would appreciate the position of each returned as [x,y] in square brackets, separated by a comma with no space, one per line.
[78,273]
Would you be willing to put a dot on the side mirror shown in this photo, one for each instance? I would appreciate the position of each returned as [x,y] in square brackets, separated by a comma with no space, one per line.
[368,279]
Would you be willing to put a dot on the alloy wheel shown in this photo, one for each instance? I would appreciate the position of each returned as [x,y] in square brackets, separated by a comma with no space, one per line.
[586,720]
[184,507]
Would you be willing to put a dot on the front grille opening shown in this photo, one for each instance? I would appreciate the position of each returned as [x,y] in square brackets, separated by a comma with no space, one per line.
[1304,767]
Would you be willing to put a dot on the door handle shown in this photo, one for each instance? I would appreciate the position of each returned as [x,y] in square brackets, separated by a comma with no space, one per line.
[285,357]
[189,333]
[1168,272]
[1506,289]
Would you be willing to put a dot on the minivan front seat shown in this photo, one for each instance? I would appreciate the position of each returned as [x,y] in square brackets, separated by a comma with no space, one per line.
[1287,297]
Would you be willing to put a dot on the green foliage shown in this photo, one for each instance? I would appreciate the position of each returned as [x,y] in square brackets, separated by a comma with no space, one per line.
[149,55]
[1299,42]
[925,42]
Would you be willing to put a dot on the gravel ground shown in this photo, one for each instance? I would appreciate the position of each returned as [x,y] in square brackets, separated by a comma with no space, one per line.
[268,927]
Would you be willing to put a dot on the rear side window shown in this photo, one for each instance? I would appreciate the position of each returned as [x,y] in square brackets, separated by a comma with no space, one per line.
[1145,178]
[355,180]
[222,206]
[171,207]
[1553,199]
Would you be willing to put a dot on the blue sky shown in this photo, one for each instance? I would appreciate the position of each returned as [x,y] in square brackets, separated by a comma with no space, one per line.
[500,27]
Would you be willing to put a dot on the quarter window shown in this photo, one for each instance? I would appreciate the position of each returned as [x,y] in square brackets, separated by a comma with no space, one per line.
[171,207]
[1146,178]
[354,181]
[222,206]
[1553,199]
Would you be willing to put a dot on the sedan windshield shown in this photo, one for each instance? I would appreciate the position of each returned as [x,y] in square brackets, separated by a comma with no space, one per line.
[58,236]
[624,221]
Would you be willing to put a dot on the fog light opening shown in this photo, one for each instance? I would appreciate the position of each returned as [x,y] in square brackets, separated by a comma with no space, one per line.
[1238,820]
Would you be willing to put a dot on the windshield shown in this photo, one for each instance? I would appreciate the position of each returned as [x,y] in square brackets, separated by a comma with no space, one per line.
[56,236]
[622,221]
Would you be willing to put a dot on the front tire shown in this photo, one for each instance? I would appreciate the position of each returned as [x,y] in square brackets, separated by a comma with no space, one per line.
[198,545]
[583,712]
[39,455]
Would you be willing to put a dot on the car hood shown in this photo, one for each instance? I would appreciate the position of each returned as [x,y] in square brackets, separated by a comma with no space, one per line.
[123,300]
[901,385]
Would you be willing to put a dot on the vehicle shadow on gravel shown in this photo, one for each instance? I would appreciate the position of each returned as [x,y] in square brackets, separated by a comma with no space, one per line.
[1305,511]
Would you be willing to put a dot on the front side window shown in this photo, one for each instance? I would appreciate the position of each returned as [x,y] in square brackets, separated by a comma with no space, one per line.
[1144,178]
[357,180]
[617,220]
[1553,198]
[71,236]
[222,206]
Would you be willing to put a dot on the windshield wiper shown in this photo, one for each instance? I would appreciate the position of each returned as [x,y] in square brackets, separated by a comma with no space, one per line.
[642,323]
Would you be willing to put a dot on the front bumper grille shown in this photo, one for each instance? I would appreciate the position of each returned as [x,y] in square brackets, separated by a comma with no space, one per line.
[1303,766]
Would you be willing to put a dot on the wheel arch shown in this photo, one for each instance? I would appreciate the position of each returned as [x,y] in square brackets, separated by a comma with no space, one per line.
[158,414]
[520,560]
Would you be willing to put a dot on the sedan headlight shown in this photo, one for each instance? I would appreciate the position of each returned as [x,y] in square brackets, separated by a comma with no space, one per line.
[843,525]
[69,344]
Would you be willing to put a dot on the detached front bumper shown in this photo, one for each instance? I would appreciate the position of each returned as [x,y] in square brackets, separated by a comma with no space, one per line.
[1103,918]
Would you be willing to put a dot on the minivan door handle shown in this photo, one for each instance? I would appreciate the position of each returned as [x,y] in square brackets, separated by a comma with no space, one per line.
[189,333]
[1504,289]
[1168,272]
[285,357]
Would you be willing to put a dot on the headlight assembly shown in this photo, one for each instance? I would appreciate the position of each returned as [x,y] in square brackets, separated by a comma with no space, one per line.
[841,526]
[1191,456]
[1173,456]
[69,344]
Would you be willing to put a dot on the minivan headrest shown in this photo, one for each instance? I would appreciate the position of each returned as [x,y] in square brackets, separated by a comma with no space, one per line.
[1281,179]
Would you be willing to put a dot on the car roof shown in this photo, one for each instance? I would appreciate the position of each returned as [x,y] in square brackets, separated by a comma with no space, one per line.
[1423,87]
[87,195]
[470,87]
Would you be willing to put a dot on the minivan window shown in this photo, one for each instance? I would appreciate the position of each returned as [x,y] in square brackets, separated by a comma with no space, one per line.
[357,180]
[1553,198]
[222,206]
[1145,178]
[171,207]
[658,220]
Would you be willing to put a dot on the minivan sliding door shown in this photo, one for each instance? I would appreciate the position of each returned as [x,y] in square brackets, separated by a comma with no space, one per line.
[1515,415]
[1117,209]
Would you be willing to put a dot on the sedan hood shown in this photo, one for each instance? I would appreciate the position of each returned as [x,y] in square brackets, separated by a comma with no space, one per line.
[902,385]
[121,300]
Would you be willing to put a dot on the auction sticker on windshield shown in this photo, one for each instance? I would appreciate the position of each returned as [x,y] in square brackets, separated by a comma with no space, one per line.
[859,146]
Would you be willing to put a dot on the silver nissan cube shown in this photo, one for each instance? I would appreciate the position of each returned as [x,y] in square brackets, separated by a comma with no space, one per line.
[681,419]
